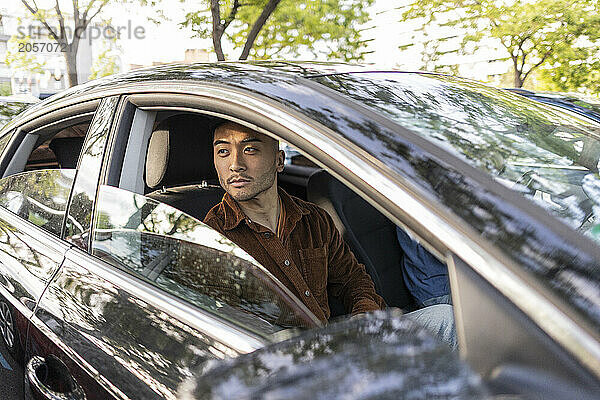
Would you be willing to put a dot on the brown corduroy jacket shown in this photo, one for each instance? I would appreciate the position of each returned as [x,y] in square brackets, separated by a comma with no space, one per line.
[309,255]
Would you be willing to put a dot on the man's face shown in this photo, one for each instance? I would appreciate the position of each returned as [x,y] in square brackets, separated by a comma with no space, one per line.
[246,161]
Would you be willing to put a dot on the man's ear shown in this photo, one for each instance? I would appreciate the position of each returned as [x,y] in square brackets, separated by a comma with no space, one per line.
[280,160]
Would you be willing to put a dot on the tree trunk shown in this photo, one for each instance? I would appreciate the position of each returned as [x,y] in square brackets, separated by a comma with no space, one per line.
[217,29]
[517,78]
[517,73]
[71,61]
[260,22]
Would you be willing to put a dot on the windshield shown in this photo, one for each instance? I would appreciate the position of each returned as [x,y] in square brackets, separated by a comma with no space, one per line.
[549,156]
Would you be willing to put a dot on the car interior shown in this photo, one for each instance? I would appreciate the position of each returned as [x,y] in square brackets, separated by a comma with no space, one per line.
[178,171]
[50,147]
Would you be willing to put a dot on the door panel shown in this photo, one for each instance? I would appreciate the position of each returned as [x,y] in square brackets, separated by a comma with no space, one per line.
[162,293]
[28,259]
[497,338]
[129,345]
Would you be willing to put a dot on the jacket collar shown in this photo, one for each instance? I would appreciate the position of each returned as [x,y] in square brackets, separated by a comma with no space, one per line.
[233,214]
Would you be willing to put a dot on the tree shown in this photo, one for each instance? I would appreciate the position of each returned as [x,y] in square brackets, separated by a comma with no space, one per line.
[66,37]
[533,33]
[105,64]
[265,28]
[19,60]
[577,70]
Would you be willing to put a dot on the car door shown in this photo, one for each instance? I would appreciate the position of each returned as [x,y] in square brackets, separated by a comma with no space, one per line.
[146,293]
[34,192]
[160,293]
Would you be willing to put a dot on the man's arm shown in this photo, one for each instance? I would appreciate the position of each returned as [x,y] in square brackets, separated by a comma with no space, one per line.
[348,278]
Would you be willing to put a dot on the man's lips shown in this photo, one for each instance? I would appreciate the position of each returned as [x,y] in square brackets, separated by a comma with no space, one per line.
[239,182]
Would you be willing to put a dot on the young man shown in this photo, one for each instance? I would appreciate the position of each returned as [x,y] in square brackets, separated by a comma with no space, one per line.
[295,240]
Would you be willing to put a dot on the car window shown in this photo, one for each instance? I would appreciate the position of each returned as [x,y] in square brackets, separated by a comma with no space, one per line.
[549,156]
[38,196]
[186,258]
[39,177]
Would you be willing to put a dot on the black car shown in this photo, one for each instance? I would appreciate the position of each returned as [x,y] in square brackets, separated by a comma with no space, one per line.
[571,102]
[112,287]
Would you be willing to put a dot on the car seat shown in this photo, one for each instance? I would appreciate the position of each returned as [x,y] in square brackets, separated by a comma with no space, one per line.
[66,150]
[370,235]
[179,165]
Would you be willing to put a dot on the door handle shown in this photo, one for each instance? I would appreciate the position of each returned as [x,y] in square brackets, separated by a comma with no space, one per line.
[50,379]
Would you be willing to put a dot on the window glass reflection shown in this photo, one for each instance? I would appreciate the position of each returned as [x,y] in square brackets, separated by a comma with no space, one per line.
[9,110]
[549,156]
[4,141]
[188,259]
[39,196]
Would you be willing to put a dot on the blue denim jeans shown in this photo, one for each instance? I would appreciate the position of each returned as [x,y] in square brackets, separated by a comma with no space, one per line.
[439,320]
[445,299]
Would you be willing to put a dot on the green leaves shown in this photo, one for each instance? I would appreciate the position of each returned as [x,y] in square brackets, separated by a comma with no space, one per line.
[325,27]
[559,36]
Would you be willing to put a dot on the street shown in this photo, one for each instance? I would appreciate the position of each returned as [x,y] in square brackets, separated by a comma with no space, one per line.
[10,375]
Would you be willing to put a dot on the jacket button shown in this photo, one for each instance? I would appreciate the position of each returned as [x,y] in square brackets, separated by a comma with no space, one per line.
[287,263]
[307,293]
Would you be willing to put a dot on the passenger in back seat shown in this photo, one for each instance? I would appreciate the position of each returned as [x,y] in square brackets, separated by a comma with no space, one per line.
[295,240]
[424,275]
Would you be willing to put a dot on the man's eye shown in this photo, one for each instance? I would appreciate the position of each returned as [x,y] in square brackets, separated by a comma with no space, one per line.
[250,149]
[222,152]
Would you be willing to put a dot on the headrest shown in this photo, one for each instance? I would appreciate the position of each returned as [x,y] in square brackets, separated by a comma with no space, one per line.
[180,152]
[66,150]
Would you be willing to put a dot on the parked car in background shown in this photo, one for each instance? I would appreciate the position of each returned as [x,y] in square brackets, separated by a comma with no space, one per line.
[575,103]
[11,106]
[112,287]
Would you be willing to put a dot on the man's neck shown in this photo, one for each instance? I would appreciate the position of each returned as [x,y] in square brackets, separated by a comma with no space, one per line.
[263,209]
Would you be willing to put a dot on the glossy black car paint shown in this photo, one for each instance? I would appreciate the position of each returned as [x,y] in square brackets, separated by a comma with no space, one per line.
[446,182]
[376,356]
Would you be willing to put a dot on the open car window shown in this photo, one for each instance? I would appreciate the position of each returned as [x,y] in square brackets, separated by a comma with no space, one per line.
[188,259]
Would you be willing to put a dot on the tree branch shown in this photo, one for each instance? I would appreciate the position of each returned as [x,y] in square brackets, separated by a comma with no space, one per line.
[546,55]
[61,22]
[260,22]
[217,29]
[96,13]
[231,16]
[43,21]
[87,10]
[75,11]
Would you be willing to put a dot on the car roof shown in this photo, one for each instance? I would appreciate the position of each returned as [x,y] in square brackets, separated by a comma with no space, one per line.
[220,71]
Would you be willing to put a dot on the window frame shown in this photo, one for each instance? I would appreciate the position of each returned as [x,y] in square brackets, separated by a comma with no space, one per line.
[57,119]
[25,136]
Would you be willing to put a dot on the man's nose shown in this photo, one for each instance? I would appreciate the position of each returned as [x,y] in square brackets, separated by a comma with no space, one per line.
[237,162]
